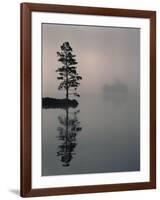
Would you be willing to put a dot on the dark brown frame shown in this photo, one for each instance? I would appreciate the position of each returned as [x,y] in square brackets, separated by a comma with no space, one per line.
[26,172]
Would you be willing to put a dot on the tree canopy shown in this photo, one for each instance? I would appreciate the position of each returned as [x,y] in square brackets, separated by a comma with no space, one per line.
[67,73]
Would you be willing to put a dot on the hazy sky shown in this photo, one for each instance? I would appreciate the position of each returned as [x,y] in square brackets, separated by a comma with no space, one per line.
[105,55]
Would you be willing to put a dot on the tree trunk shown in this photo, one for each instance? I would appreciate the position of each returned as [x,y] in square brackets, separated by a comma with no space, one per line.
[66,81]
[67,93]
[67,86]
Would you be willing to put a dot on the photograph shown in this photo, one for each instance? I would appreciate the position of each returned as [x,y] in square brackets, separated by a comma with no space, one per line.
[90,99]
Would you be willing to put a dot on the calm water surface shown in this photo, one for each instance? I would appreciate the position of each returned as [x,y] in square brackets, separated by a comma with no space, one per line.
[98,136]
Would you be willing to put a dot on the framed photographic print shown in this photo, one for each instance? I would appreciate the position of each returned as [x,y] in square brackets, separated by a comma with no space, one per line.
[88,99]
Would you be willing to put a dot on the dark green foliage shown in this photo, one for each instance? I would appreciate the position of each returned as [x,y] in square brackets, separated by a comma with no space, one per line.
[68,71]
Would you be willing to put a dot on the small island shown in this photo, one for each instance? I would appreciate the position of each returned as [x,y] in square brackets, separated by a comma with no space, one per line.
[48,102]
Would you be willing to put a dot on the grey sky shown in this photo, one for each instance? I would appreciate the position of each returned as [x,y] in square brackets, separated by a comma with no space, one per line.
[105,55]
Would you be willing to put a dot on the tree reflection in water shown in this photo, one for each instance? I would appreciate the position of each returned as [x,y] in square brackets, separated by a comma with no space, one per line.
[68,130]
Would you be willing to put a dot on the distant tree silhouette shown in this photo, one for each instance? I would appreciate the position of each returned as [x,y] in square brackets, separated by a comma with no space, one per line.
[67,72]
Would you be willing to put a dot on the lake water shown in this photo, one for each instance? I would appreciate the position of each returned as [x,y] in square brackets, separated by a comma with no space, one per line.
[101,135]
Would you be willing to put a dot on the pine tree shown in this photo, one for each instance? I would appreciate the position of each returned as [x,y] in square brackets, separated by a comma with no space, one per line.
[68,71]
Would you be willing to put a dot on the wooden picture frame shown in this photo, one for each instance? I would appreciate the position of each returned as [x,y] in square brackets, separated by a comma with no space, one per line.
[26,99]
